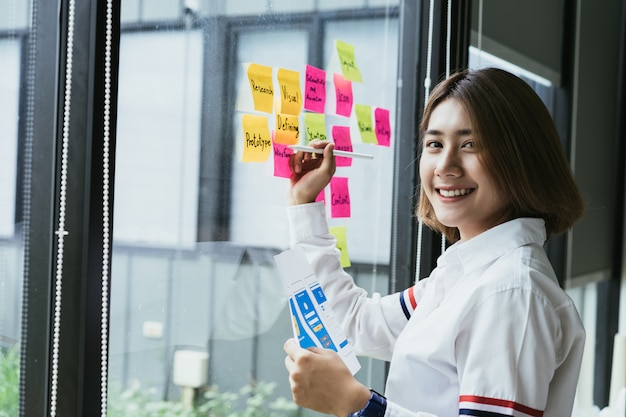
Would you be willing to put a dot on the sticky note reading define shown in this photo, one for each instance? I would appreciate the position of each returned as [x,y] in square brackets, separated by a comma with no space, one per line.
[313,321]
[257,143]
[260,78]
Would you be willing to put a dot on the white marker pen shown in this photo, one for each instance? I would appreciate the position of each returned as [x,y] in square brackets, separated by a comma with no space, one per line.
[335,152]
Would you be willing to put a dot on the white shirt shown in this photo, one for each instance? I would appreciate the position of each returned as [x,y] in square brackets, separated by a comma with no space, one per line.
[489,333]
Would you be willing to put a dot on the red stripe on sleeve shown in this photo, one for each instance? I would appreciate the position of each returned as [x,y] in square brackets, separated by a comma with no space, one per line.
[502,403]
[412,297]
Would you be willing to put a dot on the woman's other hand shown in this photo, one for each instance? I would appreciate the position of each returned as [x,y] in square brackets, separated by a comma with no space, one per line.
[321,381]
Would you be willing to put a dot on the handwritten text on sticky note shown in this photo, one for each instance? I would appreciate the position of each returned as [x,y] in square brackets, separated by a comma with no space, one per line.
[343,95]
[339,197]
[382,126]
[341,137]
[315,89]
[347,61]
[364,120]
[257,143]
[282,153]
[260,78]
[315,126]
[290,96]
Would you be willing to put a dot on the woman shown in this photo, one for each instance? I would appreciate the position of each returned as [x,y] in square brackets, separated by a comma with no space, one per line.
[489,332]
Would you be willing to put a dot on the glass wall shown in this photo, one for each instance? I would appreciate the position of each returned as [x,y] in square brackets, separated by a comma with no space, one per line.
[198,310]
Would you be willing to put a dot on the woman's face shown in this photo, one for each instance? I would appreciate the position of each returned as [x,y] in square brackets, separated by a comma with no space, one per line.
[460,190]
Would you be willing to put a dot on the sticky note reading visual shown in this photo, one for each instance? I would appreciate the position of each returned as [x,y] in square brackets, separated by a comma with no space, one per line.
[340,234]
[343,142]
[257,143]
[287,129]
[262,87]
[343,95]
[315,89]
[315,126]
[364,120]
[348,63]
[339,197]
[382,126]
[290,96]
[282,153]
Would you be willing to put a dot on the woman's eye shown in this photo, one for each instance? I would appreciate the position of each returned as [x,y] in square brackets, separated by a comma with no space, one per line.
[433,144]
[468,145]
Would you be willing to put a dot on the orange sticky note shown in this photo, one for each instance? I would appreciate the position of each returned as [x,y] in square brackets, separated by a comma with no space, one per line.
[290,95]
[315,126]
[287,129]
[339,197]
[342,244]
[260,78]
[257,143]
[364,119]
[347,61]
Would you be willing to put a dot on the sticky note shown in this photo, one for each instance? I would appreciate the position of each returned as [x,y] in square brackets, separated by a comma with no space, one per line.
[347,61]
[262,87]
[340,234]
[343,142]
[339,197]
[290,95]
[382,126]
[282,153]
[315,126]
[257,143]
[287,129]
[321,196]
[343,95]
[315,89]
[364,120]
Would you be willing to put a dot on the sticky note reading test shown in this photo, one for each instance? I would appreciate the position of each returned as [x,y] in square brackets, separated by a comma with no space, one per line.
[313,321]
[348,63]
[260,78]
[257,143]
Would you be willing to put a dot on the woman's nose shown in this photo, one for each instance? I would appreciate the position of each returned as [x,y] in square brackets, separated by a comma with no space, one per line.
[448,164]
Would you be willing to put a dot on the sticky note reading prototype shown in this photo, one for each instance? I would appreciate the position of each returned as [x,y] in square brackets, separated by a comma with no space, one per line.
[257,143]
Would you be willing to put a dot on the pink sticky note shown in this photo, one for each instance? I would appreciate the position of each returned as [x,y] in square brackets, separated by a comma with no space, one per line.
[343,94]
[382,126]
[281,160]
[343,142]
[315,89]
[339,197]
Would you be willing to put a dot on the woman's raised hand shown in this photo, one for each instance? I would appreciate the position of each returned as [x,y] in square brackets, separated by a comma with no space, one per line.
[310,172]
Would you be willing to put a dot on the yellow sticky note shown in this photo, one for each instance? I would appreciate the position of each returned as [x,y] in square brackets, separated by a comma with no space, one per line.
[287,129]
[315,126]
[290,94]
[262,87]
[366,126]
[257,143]
[340,233]
[348,63]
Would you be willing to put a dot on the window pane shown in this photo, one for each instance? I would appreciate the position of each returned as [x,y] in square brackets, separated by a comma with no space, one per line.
[196,300]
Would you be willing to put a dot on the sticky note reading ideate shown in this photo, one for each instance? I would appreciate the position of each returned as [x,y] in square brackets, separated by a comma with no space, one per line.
[348,63]
[260,78]
[257,143]
[364,120]
[315,89]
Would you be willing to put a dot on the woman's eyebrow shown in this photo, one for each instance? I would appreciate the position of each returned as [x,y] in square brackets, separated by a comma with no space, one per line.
[460,132]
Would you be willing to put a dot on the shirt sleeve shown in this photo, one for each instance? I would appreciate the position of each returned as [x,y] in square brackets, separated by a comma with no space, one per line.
[372,324]
[506,354]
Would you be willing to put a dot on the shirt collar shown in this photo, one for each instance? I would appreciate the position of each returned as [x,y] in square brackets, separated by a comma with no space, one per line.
[495,242]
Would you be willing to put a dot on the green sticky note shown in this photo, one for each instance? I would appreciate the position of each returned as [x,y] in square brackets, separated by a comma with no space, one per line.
[366,126]
[340,233]
[315,124]
[348,63]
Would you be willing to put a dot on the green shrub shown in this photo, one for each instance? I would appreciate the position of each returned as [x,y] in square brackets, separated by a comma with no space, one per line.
[9,381]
